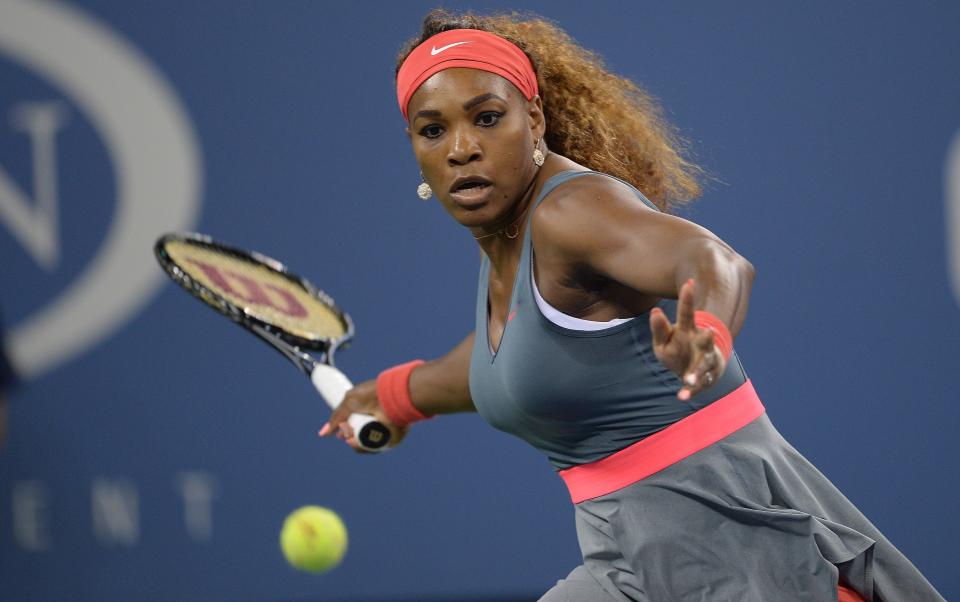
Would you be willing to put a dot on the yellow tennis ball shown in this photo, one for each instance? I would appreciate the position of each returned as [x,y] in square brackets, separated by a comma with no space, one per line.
[313,539]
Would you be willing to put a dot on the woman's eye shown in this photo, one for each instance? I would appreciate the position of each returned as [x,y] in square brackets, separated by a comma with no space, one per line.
[431,131]
[488,118]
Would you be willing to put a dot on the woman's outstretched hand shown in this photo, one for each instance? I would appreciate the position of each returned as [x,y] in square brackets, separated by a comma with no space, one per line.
[362,399]
[688,351]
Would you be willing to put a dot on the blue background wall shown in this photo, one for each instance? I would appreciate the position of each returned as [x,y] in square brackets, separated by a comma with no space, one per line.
[827,128]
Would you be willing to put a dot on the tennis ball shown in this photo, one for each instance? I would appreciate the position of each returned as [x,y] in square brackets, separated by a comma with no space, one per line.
[313,539]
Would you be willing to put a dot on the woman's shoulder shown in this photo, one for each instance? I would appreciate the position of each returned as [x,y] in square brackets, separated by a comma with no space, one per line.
[586,217]
[584,200]
[569,180]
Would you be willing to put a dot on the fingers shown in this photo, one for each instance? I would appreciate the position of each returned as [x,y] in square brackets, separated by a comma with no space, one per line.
[338,419]
[703,341]
[705,367]
[685,315]
[660,327]
[671,341]
[339,426]
[362,399]
[397,434]
[352,442]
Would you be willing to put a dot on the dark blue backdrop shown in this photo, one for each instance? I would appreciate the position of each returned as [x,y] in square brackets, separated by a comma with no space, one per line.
[145,463]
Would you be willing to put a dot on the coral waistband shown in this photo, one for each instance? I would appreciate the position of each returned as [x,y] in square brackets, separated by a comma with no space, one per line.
[664,448]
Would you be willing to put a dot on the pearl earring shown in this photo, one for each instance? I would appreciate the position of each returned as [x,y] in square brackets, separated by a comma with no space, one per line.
[538,157]
[423,190]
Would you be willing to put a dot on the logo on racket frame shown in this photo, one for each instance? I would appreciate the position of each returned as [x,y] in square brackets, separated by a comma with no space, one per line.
[254,289]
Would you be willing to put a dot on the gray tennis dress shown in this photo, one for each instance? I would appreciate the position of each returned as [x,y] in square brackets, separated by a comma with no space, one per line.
[745,519]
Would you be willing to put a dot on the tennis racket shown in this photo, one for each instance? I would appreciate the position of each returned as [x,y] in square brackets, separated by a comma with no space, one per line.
[283,309]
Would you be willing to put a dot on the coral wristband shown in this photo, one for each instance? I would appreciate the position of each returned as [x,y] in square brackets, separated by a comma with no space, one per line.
[721,334]
[393,391]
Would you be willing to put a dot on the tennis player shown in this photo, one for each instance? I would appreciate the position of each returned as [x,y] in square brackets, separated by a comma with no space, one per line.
[604,333]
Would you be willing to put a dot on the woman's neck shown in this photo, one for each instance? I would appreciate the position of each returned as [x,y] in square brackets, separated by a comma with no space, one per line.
[502,242]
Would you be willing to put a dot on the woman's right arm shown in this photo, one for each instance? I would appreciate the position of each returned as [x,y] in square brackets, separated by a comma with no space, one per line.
[440,386]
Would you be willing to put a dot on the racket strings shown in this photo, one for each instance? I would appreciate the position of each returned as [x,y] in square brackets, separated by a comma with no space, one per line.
[260,291]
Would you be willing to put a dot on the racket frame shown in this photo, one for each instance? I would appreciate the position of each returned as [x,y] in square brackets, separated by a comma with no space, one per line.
[265,330]
[288,344]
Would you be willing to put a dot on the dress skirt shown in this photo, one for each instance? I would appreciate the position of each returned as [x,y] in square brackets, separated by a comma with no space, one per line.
[747,518]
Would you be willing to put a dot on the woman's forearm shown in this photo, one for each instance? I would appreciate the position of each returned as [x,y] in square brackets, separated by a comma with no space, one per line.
[723,280]
[442,386]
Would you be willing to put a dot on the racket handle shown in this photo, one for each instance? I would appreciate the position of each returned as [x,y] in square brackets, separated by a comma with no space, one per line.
[333,385]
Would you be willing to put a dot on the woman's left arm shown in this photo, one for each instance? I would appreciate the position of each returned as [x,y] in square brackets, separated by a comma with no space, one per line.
[602,227]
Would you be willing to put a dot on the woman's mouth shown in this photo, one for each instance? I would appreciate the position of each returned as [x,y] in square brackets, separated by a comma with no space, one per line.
[470,192]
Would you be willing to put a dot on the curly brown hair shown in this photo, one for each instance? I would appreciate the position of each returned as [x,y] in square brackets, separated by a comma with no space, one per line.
[594,117]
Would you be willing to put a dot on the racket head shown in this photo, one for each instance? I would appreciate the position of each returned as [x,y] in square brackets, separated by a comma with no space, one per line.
[254,290]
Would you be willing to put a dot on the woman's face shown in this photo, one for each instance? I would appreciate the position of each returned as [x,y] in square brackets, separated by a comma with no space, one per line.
[473,135]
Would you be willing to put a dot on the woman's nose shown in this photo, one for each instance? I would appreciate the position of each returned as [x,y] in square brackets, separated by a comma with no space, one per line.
[464,148]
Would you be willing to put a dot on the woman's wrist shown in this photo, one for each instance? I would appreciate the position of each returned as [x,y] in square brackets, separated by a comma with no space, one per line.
[721,334]
[393,393]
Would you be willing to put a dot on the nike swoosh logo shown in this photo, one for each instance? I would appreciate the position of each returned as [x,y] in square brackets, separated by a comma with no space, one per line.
[435,51]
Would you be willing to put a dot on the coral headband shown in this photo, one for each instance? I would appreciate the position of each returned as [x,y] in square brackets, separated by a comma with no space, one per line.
[471,48]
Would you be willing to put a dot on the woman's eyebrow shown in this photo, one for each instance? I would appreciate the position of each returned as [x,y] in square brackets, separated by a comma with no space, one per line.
[478,99]
[433,113]
[427,113]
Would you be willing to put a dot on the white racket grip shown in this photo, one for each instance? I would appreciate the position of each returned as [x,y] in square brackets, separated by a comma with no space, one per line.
[331,383]
[333,386]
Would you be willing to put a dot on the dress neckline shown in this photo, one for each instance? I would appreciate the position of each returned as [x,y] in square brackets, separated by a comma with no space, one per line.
[548,186]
